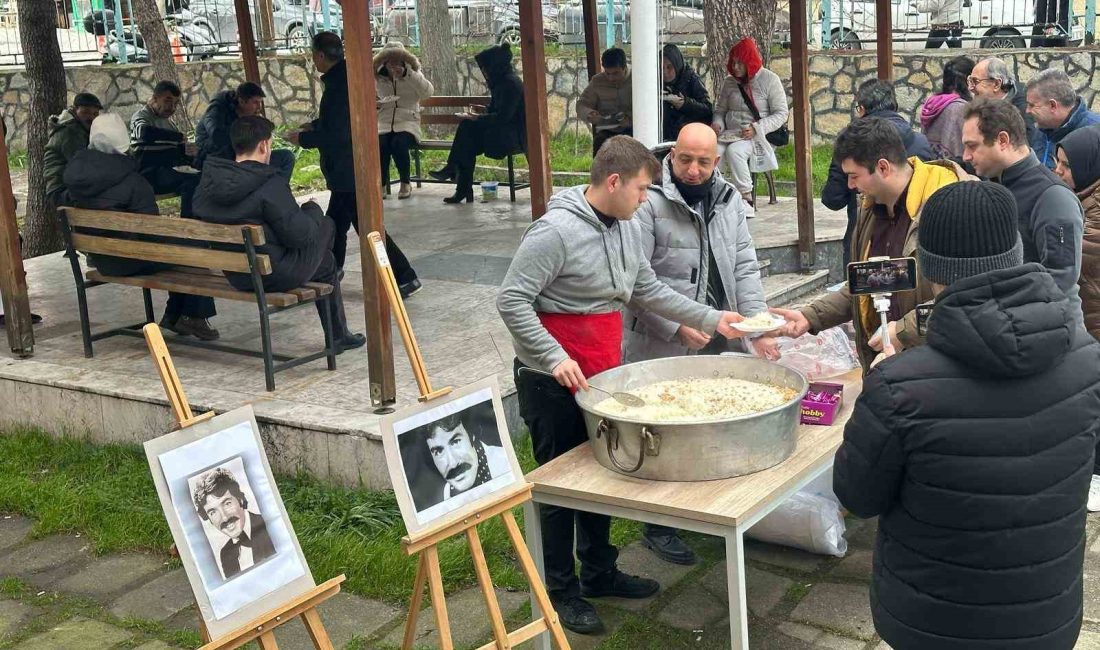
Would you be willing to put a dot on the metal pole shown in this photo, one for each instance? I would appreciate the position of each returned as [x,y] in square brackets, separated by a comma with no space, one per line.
[826,24]
[120,34]
[609,26]
[326,16]
[1090,22]
[646,73]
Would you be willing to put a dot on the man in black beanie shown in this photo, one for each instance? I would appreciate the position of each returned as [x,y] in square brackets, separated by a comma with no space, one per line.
[975,450]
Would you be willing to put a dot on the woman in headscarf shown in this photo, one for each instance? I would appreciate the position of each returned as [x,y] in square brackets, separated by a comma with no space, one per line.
[685,98]
[499,131]
[941,116]
[751,104]
[398,79]
[1078,156]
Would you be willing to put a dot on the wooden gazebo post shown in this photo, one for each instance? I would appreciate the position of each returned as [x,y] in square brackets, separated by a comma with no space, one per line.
[884,35]
[592,36]
[534,97]
[803,136]
[248,41]
[368,194]
[13,278]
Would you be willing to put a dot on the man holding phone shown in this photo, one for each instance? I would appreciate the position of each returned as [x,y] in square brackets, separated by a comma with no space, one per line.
[872,155]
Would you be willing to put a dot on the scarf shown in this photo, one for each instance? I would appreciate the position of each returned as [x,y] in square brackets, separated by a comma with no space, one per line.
[693,195]
[483,473]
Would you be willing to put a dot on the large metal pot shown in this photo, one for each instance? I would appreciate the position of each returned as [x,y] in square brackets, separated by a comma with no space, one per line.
[700,451]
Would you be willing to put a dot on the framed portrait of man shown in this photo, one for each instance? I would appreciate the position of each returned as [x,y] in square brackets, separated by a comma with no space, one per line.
[449,455]
[228,521]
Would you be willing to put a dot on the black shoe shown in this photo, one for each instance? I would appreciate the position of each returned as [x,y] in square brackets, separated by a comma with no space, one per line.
[445,174]
[35,320]
[350,342]
[669,548]
[578,615]
[621,585]
[198,327]
[409,288]
[459,196]
[169,323]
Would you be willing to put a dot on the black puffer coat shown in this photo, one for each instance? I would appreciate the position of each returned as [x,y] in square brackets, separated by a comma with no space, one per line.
[212,131]
[697,107]
[976,450]
[251,192]
[331,133]
[504,121]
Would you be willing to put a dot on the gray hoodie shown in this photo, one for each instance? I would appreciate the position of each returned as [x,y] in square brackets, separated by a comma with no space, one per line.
[570,263]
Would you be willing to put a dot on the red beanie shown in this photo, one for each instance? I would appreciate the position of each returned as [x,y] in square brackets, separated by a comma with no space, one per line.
[746,52]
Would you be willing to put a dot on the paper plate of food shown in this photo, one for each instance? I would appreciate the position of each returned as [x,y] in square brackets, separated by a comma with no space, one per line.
[726,137]
[388,99]
[759,323]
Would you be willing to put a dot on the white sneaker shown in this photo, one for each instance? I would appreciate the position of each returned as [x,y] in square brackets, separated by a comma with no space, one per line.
[1094,494]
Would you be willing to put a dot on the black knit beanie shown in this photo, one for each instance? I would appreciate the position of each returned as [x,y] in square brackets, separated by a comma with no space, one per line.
[966,229]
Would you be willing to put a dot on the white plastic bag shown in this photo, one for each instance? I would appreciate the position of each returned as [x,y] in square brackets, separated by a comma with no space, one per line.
[828,354]
[762,158]
[809,520]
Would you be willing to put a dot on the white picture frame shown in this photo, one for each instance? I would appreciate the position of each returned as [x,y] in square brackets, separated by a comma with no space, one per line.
[462,435]
[239,551]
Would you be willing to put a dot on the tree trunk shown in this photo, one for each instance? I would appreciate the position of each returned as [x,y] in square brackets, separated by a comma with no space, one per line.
[150,25]
[437,49]
[728,21]
[46,78]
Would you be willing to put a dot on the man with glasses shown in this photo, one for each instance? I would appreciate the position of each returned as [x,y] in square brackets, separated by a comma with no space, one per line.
[991,79]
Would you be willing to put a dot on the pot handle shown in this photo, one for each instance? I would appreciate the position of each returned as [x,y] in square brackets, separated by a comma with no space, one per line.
[650,445]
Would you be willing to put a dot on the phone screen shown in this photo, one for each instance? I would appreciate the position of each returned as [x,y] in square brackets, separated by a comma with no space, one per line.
[882,276]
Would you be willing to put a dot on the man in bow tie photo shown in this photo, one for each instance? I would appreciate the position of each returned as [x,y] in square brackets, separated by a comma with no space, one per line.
[220,501]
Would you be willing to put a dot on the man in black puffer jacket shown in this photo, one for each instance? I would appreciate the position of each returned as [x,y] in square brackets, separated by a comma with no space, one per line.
[976,449]
[103,177]
[298,238]
[874,98]
[212,131]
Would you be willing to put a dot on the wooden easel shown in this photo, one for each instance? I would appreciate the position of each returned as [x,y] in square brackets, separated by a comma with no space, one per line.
[426,542]
[262,628]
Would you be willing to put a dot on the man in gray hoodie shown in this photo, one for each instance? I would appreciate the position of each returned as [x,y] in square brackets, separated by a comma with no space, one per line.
[696,238]
[575,270]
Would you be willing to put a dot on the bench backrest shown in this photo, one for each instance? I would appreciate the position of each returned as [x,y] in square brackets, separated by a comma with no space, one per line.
[457,104]
[89,231]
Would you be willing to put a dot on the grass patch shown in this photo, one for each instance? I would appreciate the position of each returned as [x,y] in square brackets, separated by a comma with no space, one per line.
[17,159]
[106,493]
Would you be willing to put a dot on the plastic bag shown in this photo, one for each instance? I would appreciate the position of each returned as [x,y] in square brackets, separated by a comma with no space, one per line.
[827,354]
[762,158]
[809,520]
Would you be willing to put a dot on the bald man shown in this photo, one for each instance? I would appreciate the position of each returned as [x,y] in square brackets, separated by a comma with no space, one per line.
[697,240]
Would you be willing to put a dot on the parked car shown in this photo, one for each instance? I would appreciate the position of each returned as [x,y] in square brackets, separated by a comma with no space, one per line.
[495,20]
[295,21]
[681,21]
[986,24]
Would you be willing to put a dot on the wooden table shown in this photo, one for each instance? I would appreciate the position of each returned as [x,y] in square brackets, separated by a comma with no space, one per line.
[725,508]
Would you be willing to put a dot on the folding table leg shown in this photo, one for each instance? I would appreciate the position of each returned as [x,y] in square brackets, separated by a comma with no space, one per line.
[735,579]
[533,526]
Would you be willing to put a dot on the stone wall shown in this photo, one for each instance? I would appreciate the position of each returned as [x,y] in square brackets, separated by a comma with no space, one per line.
[294,88]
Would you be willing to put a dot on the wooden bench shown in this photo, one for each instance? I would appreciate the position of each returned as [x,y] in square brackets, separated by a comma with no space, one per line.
[457,105]
[195,255]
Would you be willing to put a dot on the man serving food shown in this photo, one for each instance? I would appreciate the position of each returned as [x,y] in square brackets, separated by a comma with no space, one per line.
[576,268]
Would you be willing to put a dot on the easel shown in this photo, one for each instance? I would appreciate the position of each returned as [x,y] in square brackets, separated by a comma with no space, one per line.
[426,542]
[262,628]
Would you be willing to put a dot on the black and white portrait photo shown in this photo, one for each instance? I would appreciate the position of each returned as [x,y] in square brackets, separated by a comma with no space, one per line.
[235,527]
[451,455]
[234,537]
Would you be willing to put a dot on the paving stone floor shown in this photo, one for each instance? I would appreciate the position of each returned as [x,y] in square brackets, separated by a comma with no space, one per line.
[54,595]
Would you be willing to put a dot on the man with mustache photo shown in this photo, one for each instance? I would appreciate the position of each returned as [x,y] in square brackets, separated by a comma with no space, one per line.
[220,501]
[463,460]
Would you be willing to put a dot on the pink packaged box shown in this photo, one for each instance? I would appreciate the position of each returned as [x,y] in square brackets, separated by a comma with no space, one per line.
[822,402]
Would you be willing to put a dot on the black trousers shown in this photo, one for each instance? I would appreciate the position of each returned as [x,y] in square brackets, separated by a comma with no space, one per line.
[179,304]
[166,180]
[557,425]
[396,146]
[952,35]
[468,144]
[342,211]
[600,137]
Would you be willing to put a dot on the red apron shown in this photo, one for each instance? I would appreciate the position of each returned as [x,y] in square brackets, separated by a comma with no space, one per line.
[594,341]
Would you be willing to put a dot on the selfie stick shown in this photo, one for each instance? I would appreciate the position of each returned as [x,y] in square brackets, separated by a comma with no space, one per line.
[882,306]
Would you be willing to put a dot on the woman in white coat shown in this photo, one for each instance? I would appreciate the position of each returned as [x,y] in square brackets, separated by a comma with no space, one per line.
[751,104]
[401,87]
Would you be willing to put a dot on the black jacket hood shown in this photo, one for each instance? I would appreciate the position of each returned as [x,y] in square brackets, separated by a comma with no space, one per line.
[92,172]
[1012,322]
[496,62]
[228,183]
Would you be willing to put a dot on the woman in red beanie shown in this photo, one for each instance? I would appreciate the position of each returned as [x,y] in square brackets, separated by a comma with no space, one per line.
[752,105]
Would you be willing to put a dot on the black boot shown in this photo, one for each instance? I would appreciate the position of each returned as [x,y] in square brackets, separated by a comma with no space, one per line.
[445,174]
[578,615]
[342,339]
[464,188]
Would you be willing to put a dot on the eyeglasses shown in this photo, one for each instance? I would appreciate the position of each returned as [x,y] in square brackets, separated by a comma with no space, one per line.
[974,81]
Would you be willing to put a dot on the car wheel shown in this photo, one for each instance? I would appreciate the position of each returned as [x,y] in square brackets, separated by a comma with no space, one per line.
[297,39]
[845,39]
[1004,39]
[510,37]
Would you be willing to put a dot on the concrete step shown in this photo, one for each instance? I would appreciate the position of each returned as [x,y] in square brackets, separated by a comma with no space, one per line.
[784,288]
[764,265]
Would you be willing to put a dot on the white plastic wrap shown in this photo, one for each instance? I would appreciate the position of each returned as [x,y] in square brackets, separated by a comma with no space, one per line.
[809,520]
[827,354]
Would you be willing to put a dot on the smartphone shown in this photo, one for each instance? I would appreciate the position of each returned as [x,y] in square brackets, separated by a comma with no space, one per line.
[924,312]
[882,276]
